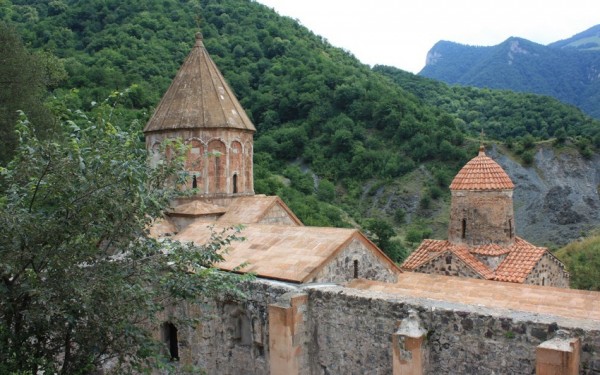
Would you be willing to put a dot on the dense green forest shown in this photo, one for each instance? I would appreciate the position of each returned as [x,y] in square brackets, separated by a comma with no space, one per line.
[331,131]
[565,70]
[514,118]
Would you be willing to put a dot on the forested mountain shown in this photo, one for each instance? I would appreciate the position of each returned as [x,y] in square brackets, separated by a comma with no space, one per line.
[568,70]
[341,143]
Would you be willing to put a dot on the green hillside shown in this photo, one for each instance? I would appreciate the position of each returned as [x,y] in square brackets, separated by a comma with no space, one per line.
[340,143]
[582,259]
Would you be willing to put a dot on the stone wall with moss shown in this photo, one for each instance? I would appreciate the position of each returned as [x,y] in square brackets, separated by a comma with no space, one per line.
[349,331]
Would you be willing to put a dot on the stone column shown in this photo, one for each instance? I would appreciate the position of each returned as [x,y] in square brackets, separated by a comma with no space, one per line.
[558,356]
[288,336]
[408,350]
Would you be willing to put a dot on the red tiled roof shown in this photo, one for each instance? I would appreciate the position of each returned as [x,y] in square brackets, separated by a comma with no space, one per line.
[481,173]
[463,253]
[490,250]
[430,249]
[518,264]
[427,250]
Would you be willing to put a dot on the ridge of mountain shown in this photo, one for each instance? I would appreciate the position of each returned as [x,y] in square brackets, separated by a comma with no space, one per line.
[568,70]
[583,41]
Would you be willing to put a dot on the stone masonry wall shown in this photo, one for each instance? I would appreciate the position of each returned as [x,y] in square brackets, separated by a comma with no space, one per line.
[549,271]
[481,217]
[214,175]
[349,331]
[448,264]
[369,266]
[232,336]
[351,334]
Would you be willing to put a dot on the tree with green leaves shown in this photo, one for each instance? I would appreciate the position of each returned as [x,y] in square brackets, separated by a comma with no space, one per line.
[24,79]
[81,279]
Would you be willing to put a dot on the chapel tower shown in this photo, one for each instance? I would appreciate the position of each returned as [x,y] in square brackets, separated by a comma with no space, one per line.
[481,208]
[200,109]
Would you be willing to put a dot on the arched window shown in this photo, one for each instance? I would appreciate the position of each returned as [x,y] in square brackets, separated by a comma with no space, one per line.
[170,338]
[235,183]
[356,269]
[464,228]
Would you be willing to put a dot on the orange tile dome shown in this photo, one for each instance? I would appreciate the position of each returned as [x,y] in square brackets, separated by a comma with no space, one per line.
[481,173]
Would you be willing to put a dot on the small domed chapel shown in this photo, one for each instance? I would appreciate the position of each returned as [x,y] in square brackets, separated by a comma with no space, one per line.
[481,234]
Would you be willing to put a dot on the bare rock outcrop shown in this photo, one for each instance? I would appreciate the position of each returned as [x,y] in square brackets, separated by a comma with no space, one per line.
[556,199]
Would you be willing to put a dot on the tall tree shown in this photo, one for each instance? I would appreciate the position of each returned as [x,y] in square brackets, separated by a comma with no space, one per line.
[81,280]
[24,79]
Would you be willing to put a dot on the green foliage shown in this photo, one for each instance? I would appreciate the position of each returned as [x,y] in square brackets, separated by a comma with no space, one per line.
[381,232]
[501,114]
[81,281]
[417,234]
[326,191]
[582,259]
[527,157]
[560,136]
[24,77]
[314,105]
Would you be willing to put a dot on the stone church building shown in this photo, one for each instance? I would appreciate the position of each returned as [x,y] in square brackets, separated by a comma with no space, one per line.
[327,300]
[200,109]
[481,234]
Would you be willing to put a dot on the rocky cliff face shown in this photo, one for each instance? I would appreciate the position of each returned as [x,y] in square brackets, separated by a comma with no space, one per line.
[556,199]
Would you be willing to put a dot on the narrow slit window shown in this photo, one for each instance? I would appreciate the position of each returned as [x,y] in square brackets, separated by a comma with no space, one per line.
[235,182]
[510,229]
[170,337]
[464,228]
[356,269]
[194,182]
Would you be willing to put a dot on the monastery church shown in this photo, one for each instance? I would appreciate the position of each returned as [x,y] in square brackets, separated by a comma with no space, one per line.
[200,109]
[301,270]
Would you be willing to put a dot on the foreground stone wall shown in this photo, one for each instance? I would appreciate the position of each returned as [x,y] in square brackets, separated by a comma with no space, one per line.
[351,334]
[328,329]
[232,336]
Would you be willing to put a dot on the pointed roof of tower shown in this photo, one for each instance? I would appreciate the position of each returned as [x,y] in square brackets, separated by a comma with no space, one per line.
[199,97]
[481,173]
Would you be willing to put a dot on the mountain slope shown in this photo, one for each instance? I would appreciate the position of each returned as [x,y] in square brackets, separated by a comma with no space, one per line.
[337,141]
[588,40]
[568,70]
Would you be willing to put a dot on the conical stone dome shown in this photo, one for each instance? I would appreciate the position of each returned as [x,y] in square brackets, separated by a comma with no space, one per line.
[199,98]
